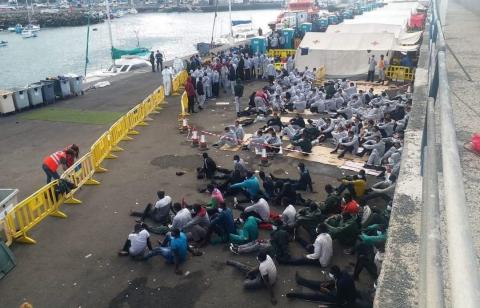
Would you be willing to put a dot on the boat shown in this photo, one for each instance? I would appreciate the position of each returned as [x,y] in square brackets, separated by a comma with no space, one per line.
[3,43]
[128,64]
[31,27]
[242,30]
[28,34]
[17,29]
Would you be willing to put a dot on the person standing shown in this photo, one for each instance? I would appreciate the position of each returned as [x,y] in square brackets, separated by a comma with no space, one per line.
[191,95]
[52,162]
[152,61]
[238,92]
[200,93]
[215,83]
[159,58]
[381,69]
[232,76]
[167,80]
[271,72]
[372,63]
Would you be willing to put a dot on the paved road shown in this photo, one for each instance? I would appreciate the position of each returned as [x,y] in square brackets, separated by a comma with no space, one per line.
[75,263]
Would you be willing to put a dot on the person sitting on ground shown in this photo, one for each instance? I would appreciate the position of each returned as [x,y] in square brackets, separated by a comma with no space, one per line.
[304,183]
[320,253]
[351,206]
[288,215]
[369,259]
[250,188]
[344,228]
[238,130]
[265,275]
[208,168]
[340,289]
[257,142]
[249,231]
[347,145]
[229,138]
[260,209]
[275,122]
[297,122]
[274,143]
[174,249]
[196,229]
[182,216]
[377,148]
[239,164]
[356,185]
[160,213]
[216,199]
[222,224]
[331,205]
[136,243]
[383,189]
[269,187]
[303,144]
[308,218]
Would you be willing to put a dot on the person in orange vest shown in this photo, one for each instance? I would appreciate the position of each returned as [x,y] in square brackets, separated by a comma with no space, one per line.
[52,162]
[382,66]
[72,154]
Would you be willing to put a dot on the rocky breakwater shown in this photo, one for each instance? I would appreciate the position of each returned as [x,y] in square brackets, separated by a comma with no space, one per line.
[50,19]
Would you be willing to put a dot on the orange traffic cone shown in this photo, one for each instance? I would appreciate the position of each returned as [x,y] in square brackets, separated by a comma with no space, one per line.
[203,143]
[194,138]
[264,158]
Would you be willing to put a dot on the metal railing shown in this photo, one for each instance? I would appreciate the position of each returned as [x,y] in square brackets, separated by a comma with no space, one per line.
[463,274]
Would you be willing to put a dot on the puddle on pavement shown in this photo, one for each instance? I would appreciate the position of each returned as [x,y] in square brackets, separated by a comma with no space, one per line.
[187,162]
[138,294]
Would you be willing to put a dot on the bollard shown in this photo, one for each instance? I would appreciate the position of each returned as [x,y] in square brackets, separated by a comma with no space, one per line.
[184,127]
[264,158]
[194,138]
[203,143]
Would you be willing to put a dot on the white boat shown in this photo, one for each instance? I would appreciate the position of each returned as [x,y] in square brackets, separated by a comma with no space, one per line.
[132,11]
[34,28]
[241,31]
[128,64]
[11,29]
[28,34]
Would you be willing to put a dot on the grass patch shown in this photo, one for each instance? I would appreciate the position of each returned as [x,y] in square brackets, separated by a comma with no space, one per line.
[72,116]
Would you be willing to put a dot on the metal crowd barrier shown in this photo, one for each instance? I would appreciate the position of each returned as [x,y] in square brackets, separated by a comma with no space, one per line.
[282,53]
[405,73]
[46,201]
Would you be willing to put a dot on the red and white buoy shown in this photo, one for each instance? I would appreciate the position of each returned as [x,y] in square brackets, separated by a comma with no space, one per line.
[203,143]
[184,127]
[194,137]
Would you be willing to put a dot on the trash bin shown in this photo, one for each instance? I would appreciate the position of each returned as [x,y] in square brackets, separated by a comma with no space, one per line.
[61,87]
[20,98]
[48,91]
[35,96]
[6,102]
[258,44]
[76,84]
[8,199]
[7,260]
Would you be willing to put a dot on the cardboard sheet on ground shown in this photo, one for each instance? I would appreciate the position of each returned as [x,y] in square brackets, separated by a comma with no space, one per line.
[246,141]
[356,166]
[321,154]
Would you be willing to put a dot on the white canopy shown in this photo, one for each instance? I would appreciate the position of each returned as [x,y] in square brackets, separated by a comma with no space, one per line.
[345,54]
[403,38]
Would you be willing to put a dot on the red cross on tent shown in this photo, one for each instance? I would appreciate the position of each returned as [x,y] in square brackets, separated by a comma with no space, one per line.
[374,43]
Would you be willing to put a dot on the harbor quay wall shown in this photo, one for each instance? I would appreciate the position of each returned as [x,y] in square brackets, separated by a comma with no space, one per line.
[45,20]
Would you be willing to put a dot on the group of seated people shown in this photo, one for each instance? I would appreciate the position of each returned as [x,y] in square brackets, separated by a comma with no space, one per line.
[355,122]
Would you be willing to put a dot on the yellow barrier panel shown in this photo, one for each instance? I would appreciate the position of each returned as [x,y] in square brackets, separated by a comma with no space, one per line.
[29,212]
[176,85]
[80,173]
[279,66]
[100,150]
[404,73]
[7,232]
[184,105]
[282,53]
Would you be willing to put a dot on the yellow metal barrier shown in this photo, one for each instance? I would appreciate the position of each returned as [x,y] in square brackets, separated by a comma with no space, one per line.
[279,66]
[404,73]
[282,53]
[80,173]
[176,85]
[100,150]
[29,212]
[184,105]
[7,233]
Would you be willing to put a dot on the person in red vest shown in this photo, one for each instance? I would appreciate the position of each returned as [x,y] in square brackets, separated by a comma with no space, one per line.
[52,162]
[71,152]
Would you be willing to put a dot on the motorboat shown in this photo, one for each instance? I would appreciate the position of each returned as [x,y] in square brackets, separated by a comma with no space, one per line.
[3,43]
[126,64]
[28,34]
[31,27]
[132,11]
[242,30]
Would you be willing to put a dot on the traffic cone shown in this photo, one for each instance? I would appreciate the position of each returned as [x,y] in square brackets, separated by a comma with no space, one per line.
[184,127]
[203,143]
[264,158]
[194,138]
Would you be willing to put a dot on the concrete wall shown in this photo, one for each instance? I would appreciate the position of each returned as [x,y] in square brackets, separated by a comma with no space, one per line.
[399,278]
[473,5]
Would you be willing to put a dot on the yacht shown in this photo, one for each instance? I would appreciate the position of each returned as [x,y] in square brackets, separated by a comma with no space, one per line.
[28,34]
[242,30]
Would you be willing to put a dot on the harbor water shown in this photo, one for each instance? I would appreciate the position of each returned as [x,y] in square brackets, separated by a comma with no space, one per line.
[62,50]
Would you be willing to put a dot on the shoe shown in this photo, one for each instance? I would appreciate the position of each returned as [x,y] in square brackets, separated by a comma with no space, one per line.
[333,152]
[123,253]
[235,202]
[341,156]
[234,250]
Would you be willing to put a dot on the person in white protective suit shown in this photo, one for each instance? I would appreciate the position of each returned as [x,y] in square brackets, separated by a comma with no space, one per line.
[178,65]
[167,80]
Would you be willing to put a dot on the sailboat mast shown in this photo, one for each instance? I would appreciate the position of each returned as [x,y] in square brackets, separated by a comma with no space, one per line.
[230,14]
[107,7]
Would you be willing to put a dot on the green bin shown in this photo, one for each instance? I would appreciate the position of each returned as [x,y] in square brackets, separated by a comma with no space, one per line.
[7,260]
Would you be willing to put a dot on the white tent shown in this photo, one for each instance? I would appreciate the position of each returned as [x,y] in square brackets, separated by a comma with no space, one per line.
[393,14]
[403,38]
[342,54]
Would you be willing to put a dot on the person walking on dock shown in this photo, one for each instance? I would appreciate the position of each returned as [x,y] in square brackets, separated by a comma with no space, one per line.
[152,61]
[159,58]
[167,80]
